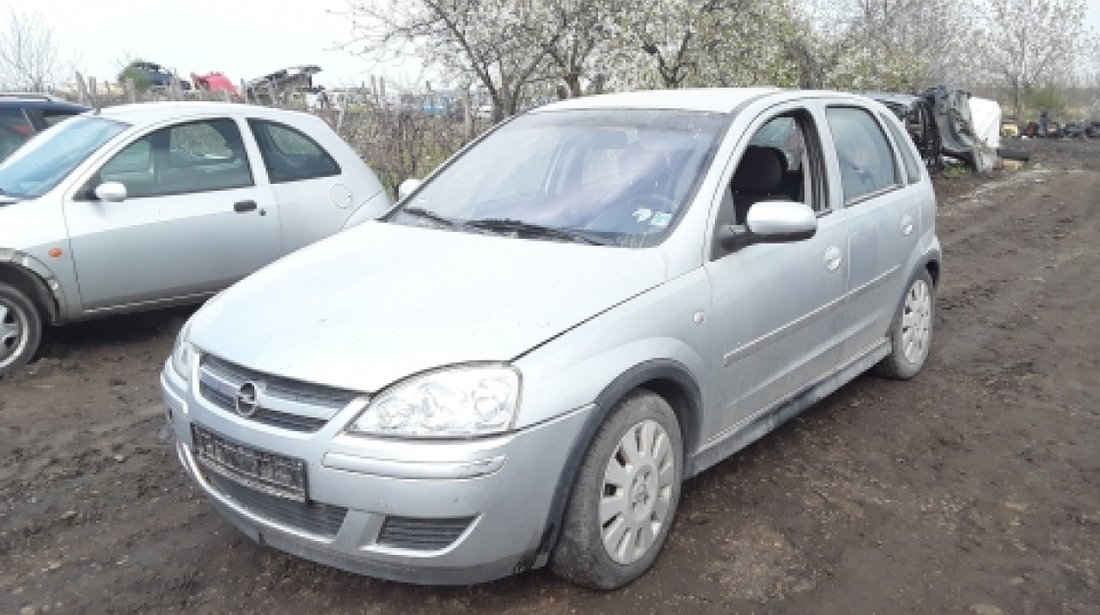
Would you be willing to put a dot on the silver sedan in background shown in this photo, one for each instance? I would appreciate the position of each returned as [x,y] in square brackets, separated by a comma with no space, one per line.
[521,362]
[143,206]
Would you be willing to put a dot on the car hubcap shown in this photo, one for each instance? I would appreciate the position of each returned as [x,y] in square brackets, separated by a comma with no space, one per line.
[916,322]
[12,337]
[637,492]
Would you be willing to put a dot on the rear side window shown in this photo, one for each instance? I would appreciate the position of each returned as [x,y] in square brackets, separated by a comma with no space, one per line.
[912,167]
[15,129]
[53,116]
[291,155]
[866,159]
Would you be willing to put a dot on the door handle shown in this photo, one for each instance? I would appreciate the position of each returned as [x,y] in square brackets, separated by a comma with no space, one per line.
[906,225]
[244,206]
[833,258]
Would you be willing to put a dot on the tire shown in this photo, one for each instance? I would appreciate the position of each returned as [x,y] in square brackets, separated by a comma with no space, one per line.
[649,488]
[911,331]
[20,329]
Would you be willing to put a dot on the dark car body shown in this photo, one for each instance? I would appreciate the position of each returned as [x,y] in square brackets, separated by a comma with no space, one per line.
[154,74]
[24,115]
[917,113]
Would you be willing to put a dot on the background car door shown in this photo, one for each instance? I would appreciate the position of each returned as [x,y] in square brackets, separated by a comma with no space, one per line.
[883,214]
[193,221]
[314,199]
[776,306]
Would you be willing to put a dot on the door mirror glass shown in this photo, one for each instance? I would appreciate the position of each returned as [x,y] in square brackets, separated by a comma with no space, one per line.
[111,192]
[407,187]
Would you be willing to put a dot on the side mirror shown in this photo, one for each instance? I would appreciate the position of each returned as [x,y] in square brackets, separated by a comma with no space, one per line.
[112,192]
[771,222]
[408,187]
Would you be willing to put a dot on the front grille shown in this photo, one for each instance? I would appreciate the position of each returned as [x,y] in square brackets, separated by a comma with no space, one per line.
[266,416]
[219,380]
[421,534]
[313,518]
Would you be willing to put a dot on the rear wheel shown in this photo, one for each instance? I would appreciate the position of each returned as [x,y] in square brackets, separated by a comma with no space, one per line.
[625,496]
[20,329]
[911,331]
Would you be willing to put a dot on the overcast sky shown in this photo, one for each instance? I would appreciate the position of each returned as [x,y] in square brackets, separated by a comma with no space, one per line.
[241,38]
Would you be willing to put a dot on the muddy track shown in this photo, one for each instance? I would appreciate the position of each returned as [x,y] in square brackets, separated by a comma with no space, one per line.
[973,488]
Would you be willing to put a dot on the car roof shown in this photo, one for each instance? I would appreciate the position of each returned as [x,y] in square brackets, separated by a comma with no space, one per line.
[39,103]
[715,100]
[141,114]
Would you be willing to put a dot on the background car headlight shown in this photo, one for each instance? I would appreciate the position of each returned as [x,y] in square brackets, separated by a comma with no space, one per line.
[183,353]
[455,402]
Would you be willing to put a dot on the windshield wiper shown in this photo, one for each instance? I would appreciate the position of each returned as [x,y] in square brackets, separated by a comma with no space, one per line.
[508,225]
[420,212]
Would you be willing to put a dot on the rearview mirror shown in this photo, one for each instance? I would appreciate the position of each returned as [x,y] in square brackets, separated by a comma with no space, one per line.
[771,222]
[112,192]
[408,187]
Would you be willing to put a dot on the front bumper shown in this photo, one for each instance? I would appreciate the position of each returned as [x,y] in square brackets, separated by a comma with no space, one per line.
[493,494]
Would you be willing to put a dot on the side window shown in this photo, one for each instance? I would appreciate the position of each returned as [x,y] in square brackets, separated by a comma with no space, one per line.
[912,167]
[776,166]
[290,155]
[866,159]
[192,157]
[53,116]
[15,129]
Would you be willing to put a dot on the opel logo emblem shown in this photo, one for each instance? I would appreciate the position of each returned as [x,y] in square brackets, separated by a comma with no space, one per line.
[247,401]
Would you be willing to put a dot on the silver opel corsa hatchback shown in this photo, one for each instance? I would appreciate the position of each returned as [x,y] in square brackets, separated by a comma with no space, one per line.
[520,363]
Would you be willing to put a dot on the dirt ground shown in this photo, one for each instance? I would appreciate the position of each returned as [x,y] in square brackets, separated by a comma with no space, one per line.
[974,488]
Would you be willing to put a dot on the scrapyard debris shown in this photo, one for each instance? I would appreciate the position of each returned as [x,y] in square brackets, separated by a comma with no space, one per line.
[942,122]
[281,85]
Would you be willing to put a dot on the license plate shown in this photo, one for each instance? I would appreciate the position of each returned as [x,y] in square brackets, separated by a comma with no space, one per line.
[266,472]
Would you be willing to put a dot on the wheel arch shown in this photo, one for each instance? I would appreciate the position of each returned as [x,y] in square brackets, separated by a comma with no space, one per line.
[669,379]
[33,286]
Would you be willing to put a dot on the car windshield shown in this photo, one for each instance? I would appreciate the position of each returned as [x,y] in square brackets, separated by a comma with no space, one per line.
[38,166]
[612,177]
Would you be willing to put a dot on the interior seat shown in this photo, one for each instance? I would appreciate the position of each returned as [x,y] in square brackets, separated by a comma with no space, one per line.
[759,177]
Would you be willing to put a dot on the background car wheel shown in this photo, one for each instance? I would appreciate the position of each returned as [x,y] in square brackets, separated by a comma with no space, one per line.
[625,496]
[911,331]
[20,329]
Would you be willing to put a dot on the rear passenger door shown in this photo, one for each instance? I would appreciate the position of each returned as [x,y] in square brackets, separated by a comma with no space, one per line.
[193,222]
[882,209]
[314,200]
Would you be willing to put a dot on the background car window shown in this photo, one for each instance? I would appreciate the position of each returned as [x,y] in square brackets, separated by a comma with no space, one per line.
[912,167]
[53,116]
[289,155]
[866,158]
[192,157]
[14,131]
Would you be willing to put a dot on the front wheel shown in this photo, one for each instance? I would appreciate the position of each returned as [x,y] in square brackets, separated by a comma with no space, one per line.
[20,329]
[911,331]
[625,496]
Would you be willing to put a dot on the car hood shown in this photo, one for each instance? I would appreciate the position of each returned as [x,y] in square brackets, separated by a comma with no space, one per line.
[379,302]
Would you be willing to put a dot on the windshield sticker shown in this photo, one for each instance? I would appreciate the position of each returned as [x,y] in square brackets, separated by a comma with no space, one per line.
[642,214]
[661,219]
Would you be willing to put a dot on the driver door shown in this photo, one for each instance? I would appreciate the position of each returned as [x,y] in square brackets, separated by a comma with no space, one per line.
[192,223]
[776,306]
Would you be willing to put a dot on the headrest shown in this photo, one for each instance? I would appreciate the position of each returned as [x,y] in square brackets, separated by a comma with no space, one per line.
[760,171]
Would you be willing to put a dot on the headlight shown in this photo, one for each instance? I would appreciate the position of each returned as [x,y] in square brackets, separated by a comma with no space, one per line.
[183,353]
[455,402]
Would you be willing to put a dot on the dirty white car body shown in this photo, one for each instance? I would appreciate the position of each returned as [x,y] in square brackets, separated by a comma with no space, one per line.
[141,206]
